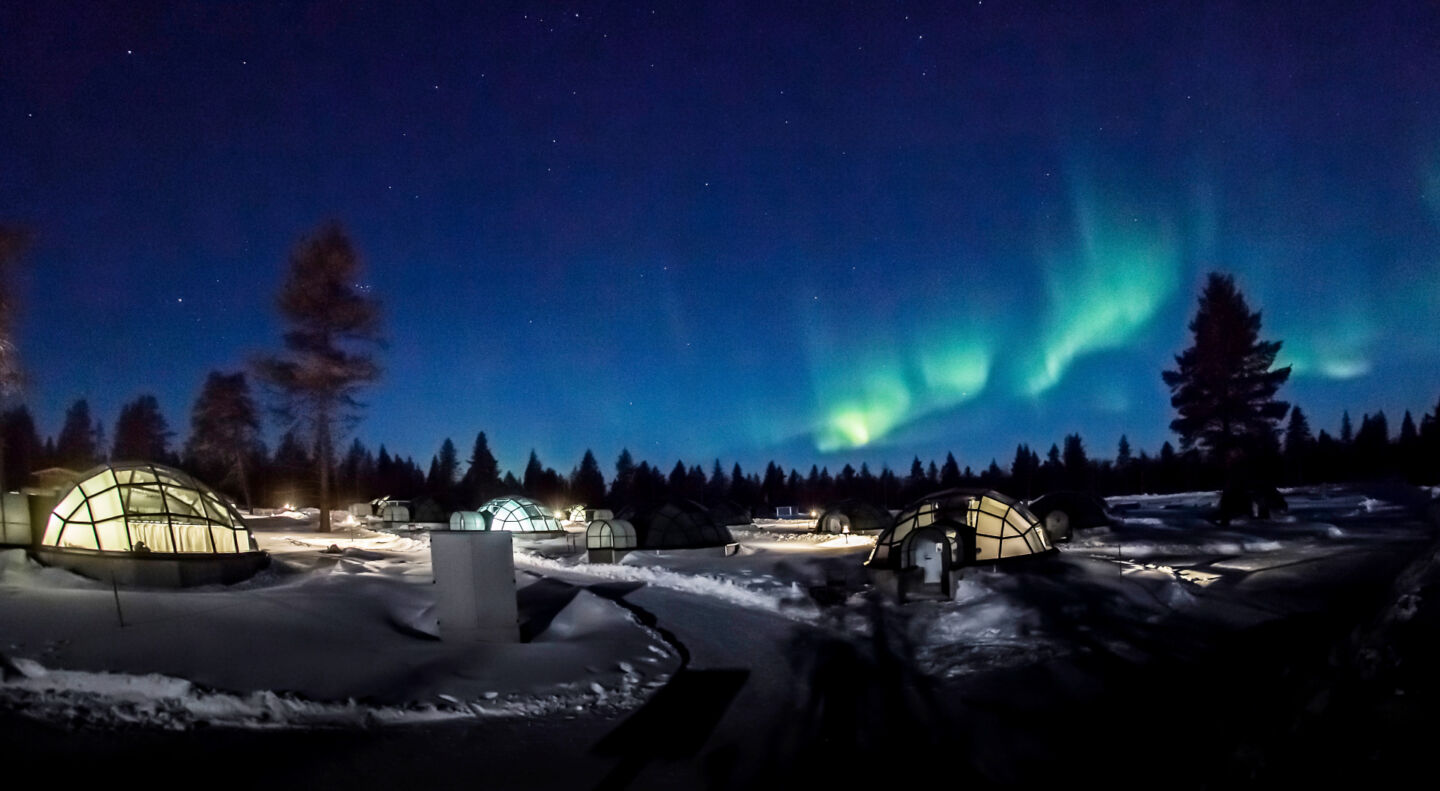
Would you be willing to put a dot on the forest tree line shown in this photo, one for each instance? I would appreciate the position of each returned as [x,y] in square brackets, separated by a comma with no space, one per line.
[285,474]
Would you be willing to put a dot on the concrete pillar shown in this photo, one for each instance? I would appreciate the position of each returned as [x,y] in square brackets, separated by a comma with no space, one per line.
[475,586]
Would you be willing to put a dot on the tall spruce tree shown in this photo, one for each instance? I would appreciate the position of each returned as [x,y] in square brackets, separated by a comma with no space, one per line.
[224,429]
[587,484]
[1224,385]
[333,329]
[1299,446]
[78,444]
[22,452]
[482,476]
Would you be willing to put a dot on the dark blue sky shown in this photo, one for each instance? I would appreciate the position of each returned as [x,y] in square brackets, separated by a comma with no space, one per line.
[831,232]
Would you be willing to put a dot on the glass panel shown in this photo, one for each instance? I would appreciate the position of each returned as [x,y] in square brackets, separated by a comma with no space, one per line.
[992,506]
[78,536]
[155,535]
[184,501]
[144,500]
[988,525]
[99,482]
[227,541]
[113,537]
[215,509]
[1016,547]
[106,505]
[67,505]
[52,531]
[192,538]
[986,548]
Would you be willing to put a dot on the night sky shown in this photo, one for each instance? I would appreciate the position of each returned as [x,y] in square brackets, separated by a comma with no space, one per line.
[832,232]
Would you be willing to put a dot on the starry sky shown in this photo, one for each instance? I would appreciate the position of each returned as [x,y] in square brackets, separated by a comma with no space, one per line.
[814,232]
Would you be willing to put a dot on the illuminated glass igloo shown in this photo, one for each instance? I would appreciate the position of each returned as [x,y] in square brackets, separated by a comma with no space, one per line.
[607,540]
[147,524]
[520,515]
[952,529]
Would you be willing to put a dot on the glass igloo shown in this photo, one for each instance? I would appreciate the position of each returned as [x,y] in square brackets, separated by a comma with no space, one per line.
[678,524]
[946,531]
[148,512]
[607,540]
[520,515]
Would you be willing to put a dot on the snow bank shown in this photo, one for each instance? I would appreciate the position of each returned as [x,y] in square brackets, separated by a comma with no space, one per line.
[790,601]
[107,700]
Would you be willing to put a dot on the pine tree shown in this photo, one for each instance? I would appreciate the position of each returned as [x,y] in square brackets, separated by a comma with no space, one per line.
[717,487]
[1222,386]
[1298,446]
[352,477]
[1022,471]
[20,445]
[533,480]
[587,485]
[141,432]
[482,477]
[332,331]
[915,483]
[950,473]
[448,467]
[76,447]
[1077,463]
[624,482]
[1297,434]
[224,429]
[1407,449]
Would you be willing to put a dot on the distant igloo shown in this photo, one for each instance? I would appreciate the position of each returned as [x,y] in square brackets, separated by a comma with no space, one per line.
[678,524]
[853,516]
[607,540]
[1064,512]
[520,515]
[149,525]
[949,530]
[729,512]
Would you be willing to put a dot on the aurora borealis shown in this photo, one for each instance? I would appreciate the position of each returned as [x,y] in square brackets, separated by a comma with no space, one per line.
[739,230]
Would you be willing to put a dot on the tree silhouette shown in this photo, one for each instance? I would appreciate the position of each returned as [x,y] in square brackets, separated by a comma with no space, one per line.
[1223,386]
[588,483]
[482,477]
[22,450]
[333,328]
[13,244]
[77,446]
[224,428]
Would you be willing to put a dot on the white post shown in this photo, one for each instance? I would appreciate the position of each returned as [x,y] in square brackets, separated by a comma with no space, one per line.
[475,586]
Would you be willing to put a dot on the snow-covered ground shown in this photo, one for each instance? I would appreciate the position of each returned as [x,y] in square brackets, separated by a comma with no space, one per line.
[346,637]
[322,638]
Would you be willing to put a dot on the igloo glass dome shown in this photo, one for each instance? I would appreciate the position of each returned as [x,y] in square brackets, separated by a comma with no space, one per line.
[145,509]
[520,515]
